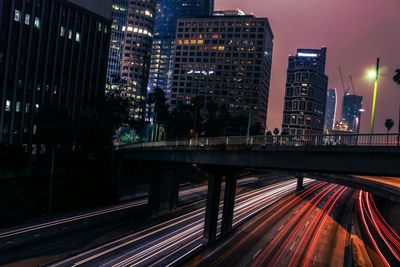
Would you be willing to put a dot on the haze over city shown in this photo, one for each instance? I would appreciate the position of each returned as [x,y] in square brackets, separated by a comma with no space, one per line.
[355,32]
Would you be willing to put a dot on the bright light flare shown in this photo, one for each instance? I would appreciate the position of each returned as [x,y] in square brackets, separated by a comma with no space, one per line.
[371,74]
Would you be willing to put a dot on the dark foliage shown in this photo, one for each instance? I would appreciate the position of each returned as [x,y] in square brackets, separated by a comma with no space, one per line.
[396,77]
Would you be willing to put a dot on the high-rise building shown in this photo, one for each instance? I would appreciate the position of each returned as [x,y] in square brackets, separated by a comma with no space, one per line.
[305,95]
[351,111]
[168,11]
[234,12]
[135,61]
[225,59]
[330,109]
[52,53]
[119,20]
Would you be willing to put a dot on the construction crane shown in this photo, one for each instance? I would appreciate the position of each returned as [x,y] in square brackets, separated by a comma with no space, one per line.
[345,91]
[352,84]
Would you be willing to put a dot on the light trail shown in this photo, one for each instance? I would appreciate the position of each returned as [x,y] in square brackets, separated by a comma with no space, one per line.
[170,241]
[295,242]
[10,233]
[275,249]
[378,231]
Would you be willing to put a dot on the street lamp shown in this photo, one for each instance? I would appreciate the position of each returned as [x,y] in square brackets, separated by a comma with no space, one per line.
[374,75]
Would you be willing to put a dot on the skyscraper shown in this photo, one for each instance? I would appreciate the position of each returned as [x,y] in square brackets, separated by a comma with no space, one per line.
[224,59]
[52,54]
[306,90]
[135,61]
[330,110]
[351,111]
[168,11]
[119,20]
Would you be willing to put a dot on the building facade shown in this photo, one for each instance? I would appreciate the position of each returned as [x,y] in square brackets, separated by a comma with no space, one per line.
[168,12]
[305,95]
[330,109]
[119,17]
[137,43]
[351,111]
[52,53]
[224,59]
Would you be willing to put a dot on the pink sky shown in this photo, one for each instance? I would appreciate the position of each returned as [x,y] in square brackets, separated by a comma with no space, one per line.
[355,33]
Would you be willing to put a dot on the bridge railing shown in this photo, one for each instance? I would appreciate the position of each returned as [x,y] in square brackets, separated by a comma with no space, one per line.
[278,141]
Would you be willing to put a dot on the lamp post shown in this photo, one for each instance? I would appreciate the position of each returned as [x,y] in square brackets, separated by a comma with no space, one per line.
[374,75]
[249,124]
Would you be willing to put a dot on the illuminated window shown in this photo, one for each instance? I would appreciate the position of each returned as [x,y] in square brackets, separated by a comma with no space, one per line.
[78,37]
[70,34]
[27,19]
[17,15]
[62,31]
[8,105]
[18,106]
[27,107]
[37,23]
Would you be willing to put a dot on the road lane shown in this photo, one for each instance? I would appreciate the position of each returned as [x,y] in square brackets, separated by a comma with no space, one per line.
[169,241]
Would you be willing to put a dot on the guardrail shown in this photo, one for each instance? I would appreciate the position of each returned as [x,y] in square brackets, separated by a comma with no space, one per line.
[281,140]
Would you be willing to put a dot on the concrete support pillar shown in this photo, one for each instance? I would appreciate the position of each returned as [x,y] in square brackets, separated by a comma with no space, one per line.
[154,195]
[163,191]
[300,180]
[229,204]
[212,209]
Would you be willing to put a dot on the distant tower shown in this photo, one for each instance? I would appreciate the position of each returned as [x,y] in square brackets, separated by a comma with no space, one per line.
[226,60]
[53,54]
[135,61]
[330,110]
[167,14]
[305,97]
[351,111]
[119,17]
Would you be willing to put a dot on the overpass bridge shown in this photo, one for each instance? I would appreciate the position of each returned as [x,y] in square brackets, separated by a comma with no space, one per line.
[331,158]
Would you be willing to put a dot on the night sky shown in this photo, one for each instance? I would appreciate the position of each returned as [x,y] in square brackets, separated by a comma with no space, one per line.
[355,33]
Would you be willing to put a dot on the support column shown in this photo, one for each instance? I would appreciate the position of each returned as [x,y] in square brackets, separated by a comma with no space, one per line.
[154,195]
[163,191]
[212,208]
[229,204]
[299,183]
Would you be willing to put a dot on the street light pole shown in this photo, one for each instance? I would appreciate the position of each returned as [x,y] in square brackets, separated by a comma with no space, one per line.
[249,124]
[50,204]
[371,130]
[398,131]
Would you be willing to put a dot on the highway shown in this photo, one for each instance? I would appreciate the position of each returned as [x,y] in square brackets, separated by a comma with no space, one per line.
[168,242]
[47,240]
[300,230]
[184,194]
[383,243]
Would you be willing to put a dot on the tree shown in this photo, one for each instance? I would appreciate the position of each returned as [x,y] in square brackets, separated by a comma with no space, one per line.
[389,123]
[158,103]
[396,77]
[180,122]
[158,100]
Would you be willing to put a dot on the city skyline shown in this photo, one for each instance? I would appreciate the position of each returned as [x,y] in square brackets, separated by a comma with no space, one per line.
[350,21]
